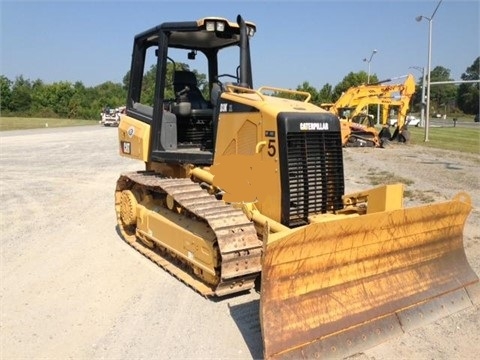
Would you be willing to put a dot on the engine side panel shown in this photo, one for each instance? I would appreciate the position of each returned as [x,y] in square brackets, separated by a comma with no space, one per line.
[134,138]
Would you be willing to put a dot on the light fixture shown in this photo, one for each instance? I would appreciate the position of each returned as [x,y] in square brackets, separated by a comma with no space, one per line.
[210,25]
[429,66]
[220,26]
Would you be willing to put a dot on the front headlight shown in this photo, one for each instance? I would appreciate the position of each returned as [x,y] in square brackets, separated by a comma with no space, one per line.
[220,26]
[210,25]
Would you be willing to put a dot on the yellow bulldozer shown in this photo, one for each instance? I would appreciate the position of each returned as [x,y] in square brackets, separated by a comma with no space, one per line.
[241,186]
[358,128]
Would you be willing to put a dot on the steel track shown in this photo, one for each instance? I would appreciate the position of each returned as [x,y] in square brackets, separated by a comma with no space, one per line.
[236,237]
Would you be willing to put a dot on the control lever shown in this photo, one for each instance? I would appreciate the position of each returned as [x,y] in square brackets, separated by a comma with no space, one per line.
[181,92]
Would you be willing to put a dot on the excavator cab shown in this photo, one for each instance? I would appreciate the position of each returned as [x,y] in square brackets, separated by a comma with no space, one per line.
[241,183]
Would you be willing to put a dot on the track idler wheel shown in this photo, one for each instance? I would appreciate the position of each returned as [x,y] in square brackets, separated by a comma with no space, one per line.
[128,207]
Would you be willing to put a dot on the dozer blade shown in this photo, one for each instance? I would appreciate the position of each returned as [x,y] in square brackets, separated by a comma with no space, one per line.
[335,288]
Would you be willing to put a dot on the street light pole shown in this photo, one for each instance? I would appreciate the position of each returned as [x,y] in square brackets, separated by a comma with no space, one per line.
[422,108]
[429,72]
[368,76]
[429,65]
[369,61]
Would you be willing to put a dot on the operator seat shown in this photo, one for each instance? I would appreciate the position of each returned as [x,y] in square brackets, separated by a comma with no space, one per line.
[183,80]
[194,113]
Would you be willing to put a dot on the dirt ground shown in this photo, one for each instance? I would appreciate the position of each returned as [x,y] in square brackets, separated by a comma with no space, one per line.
[72,289]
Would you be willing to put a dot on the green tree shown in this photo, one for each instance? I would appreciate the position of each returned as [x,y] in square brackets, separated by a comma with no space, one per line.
[62,93]
[149,79]
[202,84]
[468,94]
[21,98]
[325,94]
[79,106]
[148,86]
[306,87]
[108,94]
[52,99]
[5,93]
[443,94]
[126,81]
[41,102]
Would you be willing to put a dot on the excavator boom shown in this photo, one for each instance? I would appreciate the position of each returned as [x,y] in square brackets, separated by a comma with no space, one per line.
[357,127]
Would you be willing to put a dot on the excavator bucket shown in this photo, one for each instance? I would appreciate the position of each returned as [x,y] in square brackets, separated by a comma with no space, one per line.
[332,289]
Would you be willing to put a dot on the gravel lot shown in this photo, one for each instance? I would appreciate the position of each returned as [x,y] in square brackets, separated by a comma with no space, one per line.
[71,288]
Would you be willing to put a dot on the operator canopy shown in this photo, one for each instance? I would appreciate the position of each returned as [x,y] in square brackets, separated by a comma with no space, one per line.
[206,33]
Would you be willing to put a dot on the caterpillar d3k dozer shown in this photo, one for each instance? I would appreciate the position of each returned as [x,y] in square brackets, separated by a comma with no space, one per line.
[242,183]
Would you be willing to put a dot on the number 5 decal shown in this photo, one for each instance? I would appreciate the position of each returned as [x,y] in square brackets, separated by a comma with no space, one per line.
[272,150]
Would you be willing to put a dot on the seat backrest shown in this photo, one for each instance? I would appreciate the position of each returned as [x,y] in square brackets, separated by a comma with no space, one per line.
[183,79]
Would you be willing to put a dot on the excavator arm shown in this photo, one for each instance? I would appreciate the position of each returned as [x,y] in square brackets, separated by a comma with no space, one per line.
[356,99]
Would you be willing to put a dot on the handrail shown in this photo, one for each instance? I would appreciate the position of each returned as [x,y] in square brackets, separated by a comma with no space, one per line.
[304,93]
[230,88]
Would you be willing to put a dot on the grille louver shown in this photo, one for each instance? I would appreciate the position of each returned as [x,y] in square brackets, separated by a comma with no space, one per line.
[315,175]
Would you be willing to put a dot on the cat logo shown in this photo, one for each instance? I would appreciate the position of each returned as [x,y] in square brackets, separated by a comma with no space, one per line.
[314,126]
[126,147]
[224,107]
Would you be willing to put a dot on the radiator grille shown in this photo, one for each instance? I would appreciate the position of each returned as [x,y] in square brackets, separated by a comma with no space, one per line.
[315,174]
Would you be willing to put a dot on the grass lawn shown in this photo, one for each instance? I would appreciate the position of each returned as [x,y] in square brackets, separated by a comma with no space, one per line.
[464,139]
[448,138]
[21,123]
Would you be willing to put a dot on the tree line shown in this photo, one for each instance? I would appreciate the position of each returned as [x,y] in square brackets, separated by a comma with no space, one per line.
[64,99]
[23,97]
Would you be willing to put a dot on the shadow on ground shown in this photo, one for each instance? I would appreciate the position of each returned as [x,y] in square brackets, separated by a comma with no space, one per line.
[246,316]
